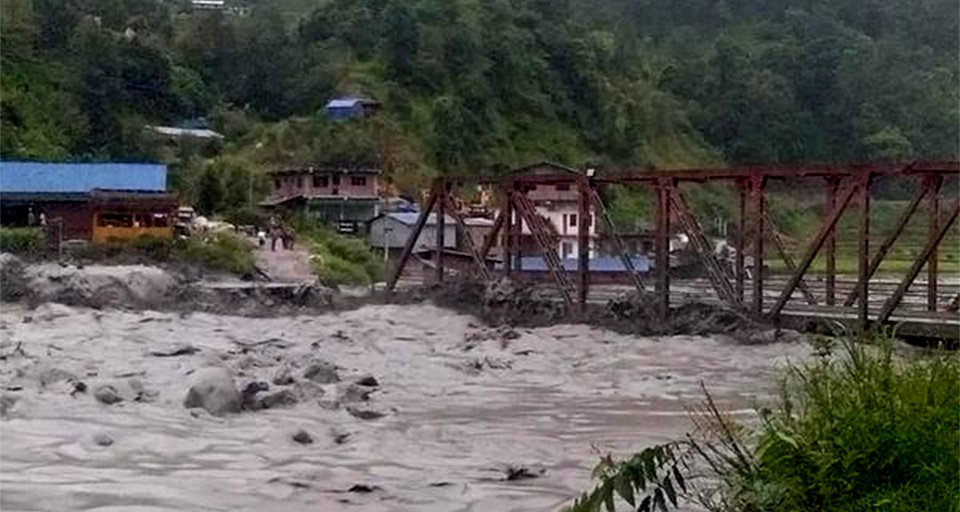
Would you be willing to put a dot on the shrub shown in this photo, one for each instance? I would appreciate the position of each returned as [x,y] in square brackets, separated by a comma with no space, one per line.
[337,259]
[859,430]
[152,246]
[21,240]
[864,430]
[223,251]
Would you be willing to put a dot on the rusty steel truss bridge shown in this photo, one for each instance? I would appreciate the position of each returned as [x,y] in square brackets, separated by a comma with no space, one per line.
[824,297]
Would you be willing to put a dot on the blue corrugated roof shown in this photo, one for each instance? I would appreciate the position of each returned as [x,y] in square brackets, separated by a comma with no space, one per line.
[600,264]
[410,218]
[26,177]
[343,103]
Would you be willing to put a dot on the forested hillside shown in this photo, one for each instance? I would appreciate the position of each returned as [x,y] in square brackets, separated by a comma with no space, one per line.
[476,85]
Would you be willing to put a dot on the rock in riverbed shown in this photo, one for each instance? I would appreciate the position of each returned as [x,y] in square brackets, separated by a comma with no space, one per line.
[214,391]
[102,439]
[322,372]
[107,394]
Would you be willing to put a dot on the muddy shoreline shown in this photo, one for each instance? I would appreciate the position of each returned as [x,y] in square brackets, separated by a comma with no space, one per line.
[502,302]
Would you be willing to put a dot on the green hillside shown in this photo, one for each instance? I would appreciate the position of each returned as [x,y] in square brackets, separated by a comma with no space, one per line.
[477,86]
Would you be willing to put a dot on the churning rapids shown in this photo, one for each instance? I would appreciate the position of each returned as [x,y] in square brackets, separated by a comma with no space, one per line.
[94,416]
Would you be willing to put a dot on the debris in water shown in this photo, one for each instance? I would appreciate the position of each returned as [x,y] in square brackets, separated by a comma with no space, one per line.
[479,364]
[78,387]
[102,439]
[340,437]
[363,488]
[367,380]
[276,342]
[512,473]
[303,437]
[179,349]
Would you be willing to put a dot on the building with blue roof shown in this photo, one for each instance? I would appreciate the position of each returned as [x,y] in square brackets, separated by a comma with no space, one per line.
[75,193]
[340,109]
[32,178]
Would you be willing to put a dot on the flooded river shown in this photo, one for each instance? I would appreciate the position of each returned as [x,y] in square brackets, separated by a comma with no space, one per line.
[460,403]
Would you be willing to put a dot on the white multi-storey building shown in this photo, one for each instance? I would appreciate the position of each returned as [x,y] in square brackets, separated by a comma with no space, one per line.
[559,204]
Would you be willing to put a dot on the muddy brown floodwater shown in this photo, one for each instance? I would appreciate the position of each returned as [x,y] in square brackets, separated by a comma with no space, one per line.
[460,402]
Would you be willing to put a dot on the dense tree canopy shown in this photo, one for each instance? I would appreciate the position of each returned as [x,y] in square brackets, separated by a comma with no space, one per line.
[471,85]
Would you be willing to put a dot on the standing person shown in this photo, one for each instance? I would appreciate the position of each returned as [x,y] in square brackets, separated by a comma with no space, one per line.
[261,237]
[273,239]
[43,218]
[31,217]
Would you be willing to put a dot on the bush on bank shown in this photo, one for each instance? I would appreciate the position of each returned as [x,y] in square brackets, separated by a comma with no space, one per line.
[21,240]
[220,251]
[337,259]
[223,251]
[862,428]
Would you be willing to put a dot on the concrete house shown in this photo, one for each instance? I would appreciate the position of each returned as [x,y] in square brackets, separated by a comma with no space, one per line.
[559,204]
[344,198]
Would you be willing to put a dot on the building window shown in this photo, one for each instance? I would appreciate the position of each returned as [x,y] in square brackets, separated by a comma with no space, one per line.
[567,249]
[321,182]
[299,182]
[563,187]
[336,180]
[277,184]
[115,220]
[358,181]
[573,220]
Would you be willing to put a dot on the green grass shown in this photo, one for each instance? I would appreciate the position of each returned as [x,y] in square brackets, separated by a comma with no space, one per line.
[949,265]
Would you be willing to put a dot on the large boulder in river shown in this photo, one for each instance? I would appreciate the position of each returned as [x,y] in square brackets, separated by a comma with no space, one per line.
[322,372]
[213,390]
